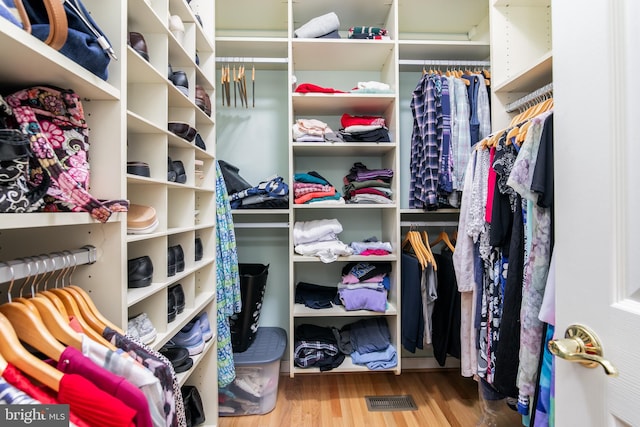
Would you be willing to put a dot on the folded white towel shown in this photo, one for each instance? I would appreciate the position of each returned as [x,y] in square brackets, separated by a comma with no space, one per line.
[318,26]
[316,230]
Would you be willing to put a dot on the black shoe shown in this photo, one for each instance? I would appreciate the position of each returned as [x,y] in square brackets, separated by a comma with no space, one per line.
[179,254]
[176,355]
[179,80]
[181,175]
[171,262]
[171,173]
[140,272]
[178,294]
[171,307]
[200,142]
[198,249]
[139,168]
[183,130]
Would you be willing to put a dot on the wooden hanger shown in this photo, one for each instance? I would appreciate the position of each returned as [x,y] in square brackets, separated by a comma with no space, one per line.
[72,309]
[47,312]
[424,238]
[443,237]
[102,321]
[413,242]
[14,352]
[512,134]
[31,329]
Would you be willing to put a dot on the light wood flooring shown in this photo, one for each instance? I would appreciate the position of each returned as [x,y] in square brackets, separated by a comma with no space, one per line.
[444,398]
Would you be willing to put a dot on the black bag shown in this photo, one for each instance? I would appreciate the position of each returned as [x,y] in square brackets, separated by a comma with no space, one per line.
[194,411]
[17,193]
[85,43]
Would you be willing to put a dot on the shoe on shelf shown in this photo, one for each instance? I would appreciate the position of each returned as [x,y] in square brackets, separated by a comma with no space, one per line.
[176,26]
[200,142]
[199,251]
[132,330]
[139,168]
[171,173]
[178,357]
[183,130]
[141,219]
[171,307]
[205,327]
[181,174]
[179,255]
[180,81]
[190,337]
[139,272]
[178,294]
[138,43]
[146,331]
[202,100]
[171,262]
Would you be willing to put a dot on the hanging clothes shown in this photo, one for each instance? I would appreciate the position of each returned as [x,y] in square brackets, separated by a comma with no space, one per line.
[227,281]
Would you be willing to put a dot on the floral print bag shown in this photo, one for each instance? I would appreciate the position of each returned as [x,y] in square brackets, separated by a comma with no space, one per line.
[53,120]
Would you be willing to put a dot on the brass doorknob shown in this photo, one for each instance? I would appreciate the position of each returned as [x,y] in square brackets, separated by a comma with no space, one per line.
[582,345]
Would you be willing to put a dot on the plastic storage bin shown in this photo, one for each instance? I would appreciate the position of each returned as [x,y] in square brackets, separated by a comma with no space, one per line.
[255,389]
[243,325]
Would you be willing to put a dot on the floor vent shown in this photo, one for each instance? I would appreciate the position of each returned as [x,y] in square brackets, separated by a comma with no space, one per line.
[390,403]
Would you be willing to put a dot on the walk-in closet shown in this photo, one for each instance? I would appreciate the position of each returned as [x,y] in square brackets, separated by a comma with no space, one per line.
[231,206]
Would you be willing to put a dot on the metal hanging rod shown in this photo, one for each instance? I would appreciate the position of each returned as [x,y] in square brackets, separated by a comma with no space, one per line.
[538,93]
[428,223]
[261,225]
[253,60]
[444,62]
[39,264]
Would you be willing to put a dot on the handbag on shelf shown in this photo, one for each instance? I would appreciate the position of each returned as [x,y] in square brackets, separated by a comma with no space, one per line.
[53,121]
[67,26]
[17,193]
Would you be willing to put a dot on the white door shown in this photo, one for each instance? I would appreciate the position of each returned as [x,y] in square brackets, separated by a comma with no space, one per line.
[596,46]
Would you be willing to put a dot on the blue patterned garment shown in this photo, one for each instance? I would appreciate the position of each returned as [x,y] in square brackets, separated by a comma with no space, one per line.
[227,281]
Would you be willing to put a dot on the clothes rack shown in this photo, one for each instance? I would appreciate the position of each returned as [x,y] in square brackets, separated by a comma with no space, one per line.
[428,223]
[26,267]
[261,225]
[444,62]
[251,60]
[544,91]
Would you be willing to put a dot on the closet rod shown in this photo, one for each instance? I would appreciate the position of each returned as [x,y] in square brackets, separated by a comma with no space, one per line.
[521,102]
[428,223]
[253,60]
[39,264]
[261,225]
[444,62]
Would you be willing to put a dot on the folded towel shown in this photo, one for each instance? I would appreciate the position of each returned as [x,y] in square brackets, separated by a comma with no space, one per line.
[318,26]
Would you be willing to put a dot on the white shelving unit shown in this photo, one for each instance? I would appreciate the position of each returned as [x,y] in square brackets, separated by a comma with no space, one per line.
[261,34]
[521,52]
[185,211]
[127,116]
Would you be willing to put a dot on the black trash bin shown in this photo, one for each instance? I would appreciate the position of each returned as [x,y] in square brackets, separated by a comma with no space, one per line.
[244,325]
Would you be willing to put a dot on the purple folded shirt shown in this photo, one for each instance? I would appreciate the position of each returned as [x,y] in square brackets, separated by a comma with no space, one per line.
[363,299]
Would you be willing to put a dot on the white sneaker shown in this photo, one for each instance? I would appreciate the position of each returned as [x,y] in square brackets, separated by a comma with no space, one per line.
[146,331]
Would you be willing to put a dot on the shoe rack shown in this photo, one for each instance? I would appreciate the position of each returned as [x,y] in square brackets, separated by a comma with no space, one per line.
[128,116]
[179,39]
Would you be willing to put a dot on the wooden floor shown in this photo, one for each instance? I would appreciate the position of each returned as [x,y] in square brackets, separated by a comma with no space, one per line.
[444,398]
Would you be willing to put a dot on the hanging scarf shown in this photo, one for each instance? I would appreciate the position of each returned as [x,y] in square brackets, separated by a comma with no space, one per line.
[227,280]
